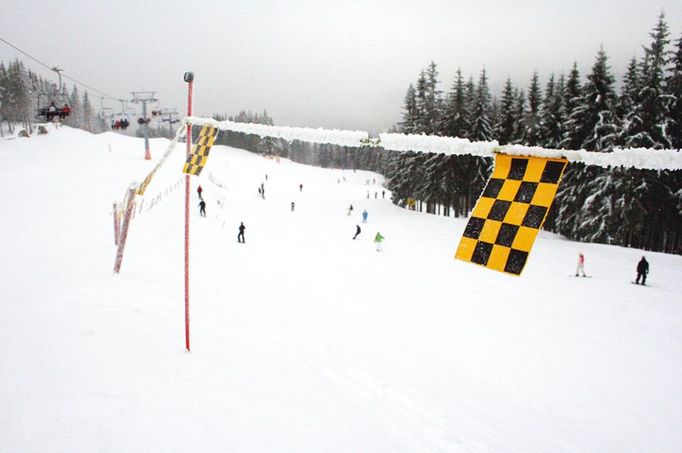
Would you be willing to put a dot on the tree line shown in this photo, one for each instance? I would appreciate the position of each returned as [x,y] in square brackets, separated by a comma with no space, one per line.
[629,207]
[23,93]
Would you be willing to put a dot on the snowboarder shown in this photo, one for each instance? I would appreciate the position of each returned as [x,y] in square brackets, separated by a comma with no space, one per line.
[199,190]
[581,265]
[350,209]
[202,208]
[240,236]
[292,206]
[357,231]
[377,240]
[642,271]
[364,216]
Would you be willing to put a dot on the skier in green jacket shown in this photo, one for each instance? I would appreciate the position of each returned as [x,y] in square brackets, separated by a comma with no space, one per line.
[377,240]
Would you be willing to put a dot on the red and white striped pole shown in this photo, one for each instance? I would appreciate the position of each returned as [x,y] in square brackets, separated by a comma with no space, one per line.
[189,78]
[116,224]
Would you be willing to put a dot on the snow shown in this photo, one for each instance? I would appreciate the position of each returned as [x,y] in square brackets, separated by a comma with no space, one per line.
[303,339]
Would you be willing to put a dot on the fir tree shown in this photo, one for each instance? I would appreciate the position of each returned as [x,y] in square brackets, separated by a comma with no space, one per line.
[17,99]
[572,93]
[432,105]
[75,119]
[592,124]
[531,120]
[88,114]
[494,114]
[552,117]
[409,123]
[504,128]
[650,121]
[674,89]
[470,99]
[627,111]
[3,93]
[519,111]
[421,103]
[456,113]
[481,129]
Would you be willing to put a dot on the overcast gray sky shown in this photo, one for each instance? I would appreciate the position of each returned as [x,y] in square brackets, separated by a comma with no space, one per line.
[316,63]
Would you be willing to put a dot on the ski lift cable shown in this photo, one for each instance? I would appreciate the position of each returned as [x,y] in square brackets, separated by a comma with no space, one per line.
[54,69]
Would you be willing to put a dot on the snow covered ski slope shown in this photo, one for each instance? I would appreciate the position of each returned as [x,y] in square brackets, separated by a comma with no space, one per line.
[304,339]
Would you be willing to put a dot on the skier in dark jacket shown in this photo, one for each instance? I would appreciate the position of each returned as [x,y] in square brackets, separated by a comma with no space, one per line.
[202,208]
[642,270]
[240,236]
[357,231]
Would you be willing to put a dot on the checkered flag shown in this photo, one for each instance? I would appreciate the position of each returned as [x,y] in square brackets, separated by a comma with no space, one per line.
[197,159]
[510,212]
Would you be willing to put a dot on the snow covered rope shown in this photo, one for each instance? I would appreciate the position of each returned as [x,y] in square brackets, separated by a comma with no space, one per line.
[171,147]
[129,203]
[641,158]
[305,134]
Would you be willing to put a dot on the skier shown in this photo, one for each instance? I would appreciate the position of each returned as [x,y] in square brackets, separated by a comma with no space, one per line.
[300,187]
[240,236]
[292,206]
[364,216]
[377,240]
[642,271]
[202,208]
[199,190]
[350,209]
[376,194]
[368,194]
[383,192]
[581,265]
[357,231]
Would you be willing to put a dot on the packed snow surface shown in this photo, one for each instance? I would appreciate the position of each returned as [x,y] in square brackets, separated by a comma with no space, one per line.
[304,340]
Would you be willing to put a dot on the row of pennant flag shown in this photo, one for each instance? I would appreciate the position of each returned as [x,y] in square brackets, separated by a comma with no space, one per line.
[506,219]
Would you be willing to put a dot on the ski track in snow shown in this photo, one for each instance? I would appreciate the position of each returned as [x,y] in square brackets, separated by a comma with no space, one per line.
[303,339]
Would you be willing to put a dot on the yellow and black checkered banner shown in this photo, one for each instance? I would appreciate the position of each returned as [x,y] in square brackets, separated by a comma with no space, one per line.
[510,212]
[197,159]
